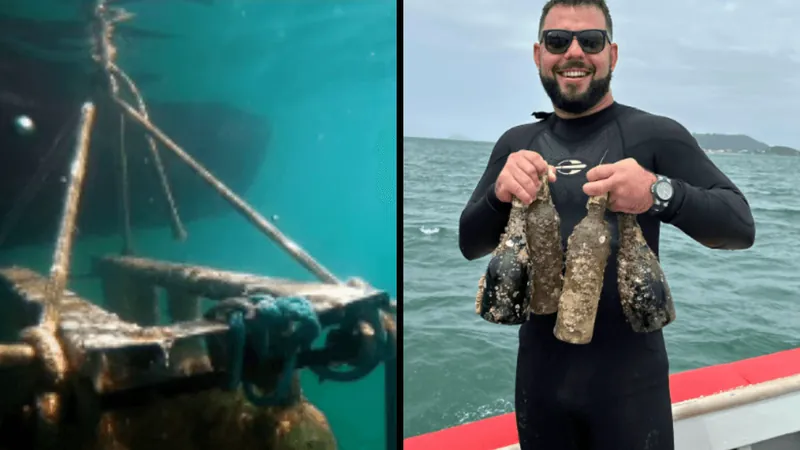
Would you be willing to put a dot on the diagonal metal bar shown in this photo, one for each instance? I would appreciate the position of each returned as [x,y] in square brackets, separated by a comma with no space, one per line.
[238,203]
[63,252]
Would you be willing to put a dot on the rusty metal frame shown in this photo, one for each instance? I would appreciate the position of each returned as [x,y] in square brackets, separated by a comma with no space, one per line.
[64,335]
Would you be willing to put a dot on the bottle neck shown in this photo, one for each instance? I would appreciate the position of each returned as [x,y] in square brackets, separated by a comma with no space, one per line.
[628,225]
[544,190]
[597,205]
[516,218]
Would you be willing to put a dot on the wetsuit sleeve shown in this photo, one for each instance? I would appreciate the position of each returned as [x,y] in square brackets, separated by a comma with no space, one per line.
[707,206]
[485,217]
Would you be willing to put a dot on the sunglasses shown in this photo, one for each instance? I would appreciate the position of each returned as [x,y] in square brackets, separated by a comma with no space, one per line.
[558,41]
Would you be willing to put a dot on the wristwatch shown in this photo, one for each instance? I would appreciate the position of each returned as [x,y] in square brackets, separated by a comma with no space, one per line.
[662,192]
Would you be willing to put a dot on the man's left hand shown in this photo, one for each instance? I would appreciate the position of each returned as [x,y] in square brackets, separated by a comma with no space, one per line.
[627,184]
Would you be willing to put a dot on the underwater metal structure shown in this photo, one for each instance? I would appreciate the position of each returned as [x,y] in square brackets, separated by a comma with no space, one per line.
[81,376]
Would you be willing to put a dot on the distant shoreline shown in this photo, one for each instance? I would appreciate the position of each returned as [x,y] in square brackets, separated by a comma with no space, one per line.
[712,143]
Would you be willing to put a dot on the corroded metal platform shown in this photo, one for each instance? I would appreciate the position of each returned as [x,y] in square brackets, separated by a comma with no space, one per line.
[119,356]
[122,368]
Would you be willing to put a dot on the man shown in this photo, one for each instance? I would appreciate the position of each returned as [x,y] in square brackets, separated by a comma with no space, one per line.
[614,392]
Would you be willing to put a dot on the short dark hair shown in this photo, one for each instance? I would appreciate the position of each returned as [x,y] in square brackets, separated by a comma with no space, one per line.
[600,4]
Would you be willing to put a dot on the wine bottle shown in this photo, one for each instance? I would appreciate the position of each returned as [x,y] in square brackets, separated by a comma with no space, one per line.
[588,249]
[503,290]
[543,230]
[643,290]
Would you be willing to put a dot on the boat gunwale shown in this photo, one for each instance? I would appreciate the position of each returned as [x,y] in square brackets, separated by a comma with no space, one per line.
[694,393]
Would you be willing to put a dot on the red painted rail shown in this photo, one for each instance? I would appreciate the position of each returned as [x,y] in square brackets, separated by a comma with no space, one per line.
[501,431]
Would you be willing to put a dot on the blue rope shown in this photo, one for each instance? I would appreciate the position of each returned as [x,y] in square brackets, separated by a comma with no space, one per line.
[280,327]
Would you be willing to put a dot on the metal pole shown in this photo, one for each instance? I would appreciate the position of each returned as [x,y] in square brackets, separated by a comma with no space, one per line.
[12,355]
[63,252]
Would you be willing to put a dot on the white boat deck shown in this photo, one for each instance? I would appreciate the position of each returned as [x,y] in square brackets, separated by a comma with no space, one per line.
[753,404]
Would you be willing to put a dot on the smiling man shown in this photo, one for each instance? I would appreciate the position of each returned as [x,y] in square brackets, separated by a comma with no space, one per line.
[613,393]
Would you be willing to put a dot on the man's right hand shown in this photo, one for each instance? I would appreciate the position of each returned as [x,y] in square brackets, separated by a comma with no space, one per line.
[521,176]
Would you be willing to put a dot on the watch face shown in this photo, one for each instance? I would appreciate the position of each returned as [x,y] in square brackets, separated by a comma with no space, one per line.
[664,190]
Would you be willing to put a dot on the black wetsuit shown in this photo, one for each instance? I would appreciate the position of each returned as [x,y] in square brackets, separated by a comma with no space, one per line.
[614,392]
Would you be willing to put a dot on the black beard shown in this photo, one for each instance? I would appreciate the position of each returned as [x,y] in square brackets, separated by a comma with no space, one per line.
[598,88]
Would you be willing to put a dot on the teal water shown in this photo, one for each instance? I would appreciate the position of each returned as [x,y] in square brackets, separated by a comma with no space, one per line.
[458,368]
[324,74]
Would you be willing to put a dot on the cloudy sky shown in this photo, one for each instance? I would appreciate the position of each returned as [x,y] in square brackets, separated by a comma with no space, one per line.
[715,66]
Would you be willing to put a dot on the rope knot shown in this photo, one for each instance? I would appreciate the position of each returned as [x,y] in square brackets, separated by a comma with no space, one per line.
[285,325]
[277,327]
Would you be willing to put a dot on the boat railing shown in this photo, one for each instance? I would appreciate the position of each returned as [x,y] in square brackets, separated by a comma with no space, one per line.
[728,400]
